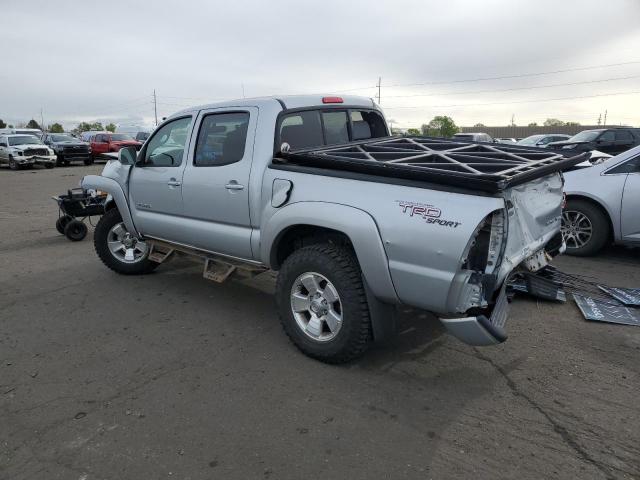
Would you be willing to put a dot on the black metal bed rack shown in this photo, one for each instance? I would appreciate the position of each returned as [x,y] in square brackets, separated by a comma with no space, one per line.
[489,167]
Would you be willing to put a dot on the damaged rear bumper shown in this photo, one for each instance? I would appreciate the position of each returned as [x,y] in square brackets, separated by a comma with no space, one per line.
[480,330]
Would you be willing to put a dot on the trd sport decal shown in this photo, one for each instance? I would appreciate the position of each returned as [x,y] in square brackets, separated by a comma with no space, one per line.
[428,213]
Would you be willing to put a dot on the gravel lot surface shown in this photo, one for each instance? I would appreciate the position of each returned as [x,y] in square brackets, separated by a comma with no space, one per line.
[172,376]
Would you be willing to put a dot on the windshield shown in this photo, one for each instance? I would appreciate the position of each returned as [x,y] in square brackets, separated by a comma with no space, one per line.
[119,137]
[585,136]
[532,140]
[62,138]
[24,140]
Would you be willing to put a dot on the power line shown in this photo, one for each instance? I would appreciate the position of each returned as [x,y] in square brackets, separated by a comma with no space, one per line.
[519,75]
[586,82]
[516,102]
[499,77]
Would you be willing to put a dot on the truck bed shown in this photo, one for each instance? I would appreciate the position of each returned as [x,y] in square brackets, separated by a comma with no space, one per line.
[487,167]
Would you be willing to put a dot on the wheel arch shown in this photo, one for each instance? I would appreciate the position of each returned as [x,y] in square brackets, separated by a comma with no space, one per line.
[303,223]
[118,198]
[599,205]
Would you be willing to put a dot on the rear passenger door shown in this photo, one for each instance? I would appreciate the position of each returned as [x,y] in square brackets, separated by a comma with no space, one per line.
[215,185]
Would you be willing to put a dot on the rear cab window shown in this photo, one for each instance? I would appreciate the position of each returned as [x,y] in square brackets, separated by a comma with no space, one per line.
[315,128]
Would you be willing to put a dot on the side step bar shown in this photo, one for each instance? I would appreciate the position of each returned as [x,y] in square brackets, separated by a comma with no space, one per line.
[216,267]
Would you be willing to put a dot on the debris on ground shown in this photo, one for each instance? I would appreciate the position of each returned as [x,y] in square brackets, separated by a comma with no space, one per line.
[596,302]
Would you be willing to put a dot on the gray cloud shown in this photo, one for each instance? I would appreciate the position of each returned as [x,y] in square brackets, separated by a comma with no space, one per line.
[96,60]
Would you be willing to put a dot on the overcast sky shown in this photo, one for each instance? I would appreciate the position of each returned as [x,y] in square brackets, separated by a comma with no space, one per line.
[102,60]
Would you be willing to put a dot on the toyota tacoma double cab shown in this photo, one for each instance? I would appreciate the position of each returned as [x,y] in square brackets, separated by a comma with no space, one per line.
[355,221]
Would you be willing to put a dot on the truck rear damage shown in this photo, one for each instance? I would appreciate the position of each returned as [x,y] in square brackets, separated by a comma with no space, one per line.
[522,236]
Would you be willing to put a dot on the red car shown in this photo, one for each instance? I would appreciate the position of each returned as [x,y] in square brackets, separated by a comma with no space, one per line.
[111,142]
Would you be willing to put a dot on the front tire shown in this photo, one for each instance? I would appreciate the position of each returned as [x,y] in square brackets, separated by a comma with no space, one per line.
[13,165]
[118,249]
[585,228]
[322,303]
[89,161]
[75,230]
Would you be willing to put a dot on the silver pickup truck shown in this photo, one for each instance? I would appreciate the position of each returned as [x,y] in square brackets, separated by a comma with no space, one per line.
[354,221]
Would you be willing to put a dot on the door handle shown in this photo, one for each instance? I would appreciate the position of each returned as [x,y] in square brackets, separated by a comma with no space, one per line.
[233,185]
[174,183]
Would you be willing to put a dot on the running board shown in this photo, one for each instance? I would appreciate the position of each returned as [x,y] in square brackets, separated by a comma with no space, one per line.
[159,254]
[216,267]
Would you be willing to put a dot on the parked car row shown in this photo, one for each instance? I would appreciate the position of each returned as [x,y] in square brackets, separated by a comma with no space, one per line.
[23,150]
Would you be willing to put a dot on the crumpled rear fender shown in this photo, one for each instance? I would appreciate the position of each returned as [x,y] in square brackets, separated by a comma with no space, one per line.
[113,188]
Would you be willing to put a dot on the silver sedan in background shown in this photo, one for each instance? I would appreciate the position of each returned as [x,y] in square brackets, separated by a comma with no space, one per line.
[603,204]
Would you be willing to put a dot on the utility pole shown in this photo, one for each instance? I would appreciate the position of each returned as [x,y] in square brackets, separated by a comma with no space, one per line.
[379,87]
[242,85]
[155,106]
[605,118]
[513,117]
[42,120]
[599,119]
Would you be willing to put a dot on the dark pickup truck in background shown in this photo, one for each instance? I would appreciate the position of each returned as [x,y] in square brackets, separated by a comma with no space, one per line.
[613,141]
[67,148]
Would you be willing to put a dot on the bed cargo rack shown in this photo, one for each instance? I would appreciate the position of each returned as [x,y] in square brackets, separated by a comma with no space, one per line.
[488,167]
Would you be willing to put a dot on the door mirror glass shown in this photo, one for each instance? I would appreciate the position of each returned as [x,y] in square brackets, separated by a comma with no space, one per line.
[127,155]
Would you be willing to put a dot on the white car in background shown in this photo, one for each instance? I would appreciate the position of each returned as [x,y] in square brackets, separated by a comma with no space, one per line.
[26,150]
[603,204]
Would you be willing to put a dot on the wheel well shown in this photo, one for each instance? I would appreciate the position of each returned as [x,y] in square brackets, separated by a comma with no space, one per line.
[298,236]
[596,204]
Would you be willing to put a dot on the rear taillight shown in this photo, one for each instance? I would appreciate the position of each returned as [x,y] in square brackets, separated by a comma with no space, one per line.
[332,100]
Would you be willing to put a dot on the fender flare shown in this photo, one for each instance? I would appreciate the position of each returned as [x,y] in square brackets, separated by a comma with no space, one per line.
[356,224]
[114,189]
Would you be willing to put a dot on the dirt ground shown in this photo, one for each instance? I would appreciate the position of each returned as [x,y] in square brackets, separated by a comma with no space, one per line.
[172,376]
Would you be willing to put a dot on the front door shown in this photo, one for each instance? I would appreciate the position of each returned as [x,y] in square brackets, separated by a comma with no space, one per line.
[630,216]
[215,188]
[155,183]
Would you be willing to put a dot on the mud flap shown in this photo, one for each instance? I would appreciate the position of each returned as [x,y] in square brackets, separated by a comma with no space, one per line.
[480,330]
[383,316]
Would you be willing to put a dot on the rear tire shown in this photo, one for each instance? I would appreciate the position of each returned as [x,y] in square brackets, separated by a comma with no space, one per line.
[75,230]
[62,222]
[108,223]
[585,228]
[333,272]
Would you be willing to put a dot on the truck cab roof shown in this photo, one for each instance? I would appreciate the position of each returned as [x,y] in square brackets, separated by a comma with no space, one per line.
[288,102]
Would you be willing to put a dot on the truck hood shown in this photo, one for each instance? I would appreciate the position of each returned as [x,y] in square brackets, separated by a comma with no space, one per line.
[27,146]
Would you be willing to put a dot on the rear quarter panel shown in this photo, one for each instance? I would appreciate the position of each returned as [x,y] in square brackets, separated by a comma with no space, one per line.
[424,232]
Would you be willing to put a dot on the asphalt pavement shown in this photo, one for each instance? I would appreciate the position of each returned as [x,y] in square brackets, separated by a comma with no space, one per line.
[173,376]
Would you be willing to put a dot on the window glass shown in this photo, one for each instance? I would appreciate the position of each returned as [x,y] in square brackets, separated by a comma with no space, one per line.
[335,127]
[607,136]
[166,147]
[367,124]
[623,135]
[221,139]
[302,130]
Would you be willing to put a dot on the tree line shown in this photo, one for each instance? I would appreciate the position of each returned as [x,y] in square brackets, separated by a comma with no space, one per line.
[444,126]
[58,128]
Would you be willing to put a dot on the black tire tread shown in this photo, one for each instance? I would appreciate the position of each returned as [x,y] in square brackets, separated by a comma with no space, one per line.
[345,268]
[108,220]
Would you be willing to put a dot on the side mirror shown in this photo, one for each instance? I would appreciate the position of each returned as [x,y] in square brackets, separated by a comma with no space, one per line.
[127,155]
